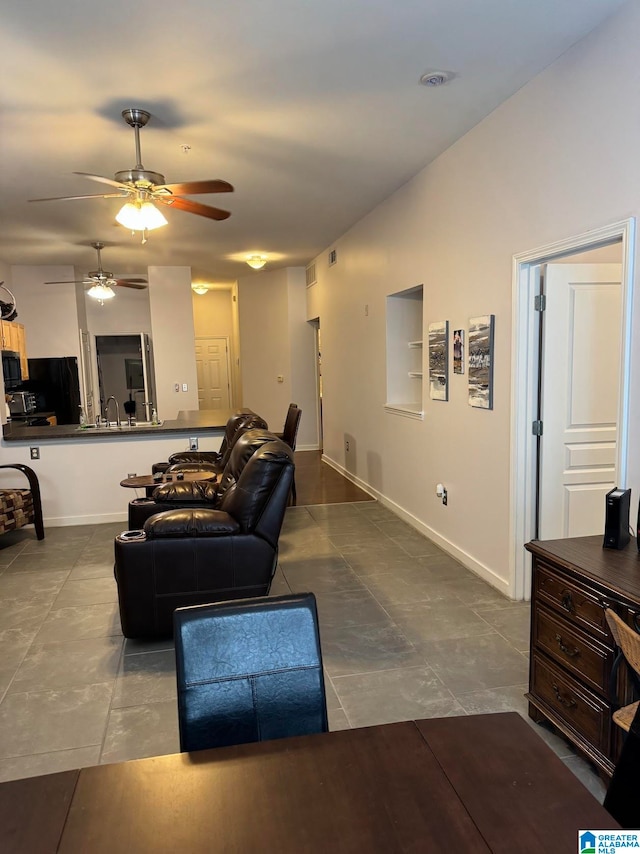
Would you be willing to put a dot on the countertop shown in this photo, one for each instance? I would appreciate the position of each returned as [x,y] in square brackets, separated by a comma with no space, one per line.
[195,420]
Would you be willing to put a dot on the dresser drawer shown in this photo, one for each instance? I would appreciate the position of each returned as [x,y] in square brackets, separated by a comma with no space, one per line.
[581,606]
[577,706]
[585,657]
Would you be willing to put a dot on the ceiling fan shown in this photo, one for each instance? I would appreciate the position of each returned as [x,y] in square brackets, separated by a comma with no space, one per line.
[142,188]
[102,281]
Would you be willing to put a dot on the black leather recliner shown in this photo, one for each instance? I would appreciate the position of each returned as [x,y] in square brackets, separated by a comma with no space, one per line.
[243,419]
[199,493]
[199,555]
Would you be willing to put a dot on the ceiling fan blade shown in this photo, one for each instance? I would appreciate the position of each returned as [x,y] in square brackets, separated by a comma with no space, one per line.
[92,196]
[194,188]
[102,180]
[192,207]
[129,283]
[131,280]
[76,282]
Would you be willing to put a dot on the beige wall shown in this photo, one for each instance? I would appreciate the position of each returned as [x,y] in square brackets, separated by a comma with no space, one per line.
[48,312]
[212,314]
[173,341]
[557,159]
[275,339]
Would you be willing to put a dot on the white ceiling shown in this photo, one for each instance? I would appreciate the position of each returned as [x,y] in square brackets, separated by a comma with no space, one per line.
[310,108]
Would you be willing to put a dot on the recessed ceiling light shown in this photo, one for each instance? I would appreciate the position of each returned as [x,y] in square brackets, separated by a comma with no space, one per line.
[436,78]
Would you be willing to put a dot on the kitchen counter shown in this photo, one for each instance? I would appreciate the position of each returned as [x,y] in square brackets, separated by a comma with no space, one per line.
[188,421]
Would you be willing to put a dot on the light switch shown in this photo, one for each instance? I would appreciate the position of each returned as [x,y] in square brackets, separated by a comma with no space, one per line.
[185,387]
[176,387]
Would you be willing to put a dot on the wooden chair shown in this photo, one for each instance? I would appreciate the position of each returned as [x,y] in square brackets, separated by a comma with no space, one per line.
[19,507]
[623,795]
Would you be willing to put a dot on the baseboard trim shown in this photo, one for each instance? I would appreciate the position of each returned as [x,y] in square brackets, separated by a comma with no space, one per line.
[67,521]
[478,568]
[315,447]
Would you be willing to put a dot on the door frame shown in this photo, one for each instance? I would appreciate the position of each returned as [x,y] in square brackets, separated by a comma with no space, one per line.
[227,341]
[524,383]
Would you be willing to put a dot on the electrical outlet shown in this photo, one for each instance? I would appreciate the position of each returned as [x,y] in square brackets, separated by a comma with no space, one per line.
[185,387]
[193,443]
[35,453]
[346,445]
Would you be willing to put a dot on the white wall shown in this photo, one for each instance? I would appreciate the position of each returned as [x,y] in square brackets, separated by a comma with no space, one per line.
[557,159]
[276,340]
[49,312]
[173,340]
[128,313]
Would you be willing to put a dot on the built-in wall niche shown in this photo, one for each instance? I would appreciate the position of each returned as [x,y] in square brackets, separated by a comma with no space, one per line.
[405,352]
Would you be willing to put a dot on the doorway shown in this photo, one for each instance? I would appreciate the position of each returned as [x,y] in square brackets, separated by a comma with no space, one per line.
[538,345]
[318,354]
[213,370]
[124,366]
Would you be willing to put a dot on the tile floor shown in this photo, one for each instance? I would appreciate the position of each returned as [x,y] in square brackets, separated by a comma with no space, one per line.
[406,632]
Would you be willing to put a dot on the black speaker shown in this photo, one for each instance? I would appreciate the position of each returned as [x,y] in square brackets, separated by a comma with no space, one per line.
[616,522]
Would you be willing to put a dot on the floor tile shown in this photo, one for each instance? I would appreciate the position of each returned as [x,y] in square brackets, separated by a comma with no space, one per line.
[469,664]
[337,720]
[344,608]
[53,666]
[321,575]
[416,544]
[514,624]
[32,586]
[145,678]
[363,649]
[47,721]
[424,621]
[133,646]
[80,621]
[140,731]
[91,591]
[489,700]
[84,570]
[408,587]
[585,772]
[395,695]
[19,767]
[51,561]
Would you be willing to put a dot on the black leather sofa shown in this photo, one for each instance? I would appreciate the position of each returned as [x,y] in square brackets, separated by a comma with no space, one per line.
[242,419]
[200,493]
[193,556]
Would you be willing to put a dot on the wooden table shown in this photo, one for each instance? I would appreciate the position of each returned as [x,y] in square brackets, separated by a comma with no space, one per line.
[477,784]
[148,481]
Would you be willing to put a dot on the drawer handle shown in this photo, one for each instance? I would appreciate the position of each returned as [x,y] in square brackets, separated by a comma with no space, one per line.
[567,650]
[567,601]
[570,703]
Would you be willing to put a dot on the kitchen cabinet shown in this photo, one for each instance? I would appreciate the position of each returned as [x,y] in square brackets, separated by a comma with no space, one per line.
[572,649]
[14,338]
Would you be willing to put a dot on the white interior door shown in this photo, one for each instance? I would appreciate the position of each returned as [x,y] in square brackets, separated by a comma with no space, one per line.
[212,363]
[580,385]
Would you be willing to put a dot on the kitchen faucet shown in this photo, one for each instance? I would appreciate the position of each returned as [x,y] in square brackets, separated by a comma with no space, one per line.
[106,410]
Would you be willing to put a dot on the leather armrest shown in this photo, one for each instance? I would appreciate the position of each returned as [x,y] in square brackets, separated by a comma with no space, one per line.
[190,522]
[210,457]
[187,492]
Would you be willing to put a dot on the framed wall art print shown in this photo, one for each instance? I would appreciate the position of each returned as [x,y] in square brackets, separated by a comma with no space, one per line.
[439,360]
[480,360]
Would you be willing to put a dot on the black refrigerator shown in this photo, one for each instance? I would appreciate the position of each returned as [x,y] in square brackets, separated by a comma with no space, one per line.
[56,386]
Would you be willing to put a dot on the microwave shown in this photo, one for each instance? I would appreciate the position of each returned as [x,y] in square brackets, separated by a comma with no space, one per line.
[22,402]
[11,370]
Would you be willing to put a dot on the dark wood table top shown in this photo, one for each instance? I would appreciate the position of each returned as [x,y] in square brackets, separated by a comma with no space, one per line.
[147,480]
[467,784]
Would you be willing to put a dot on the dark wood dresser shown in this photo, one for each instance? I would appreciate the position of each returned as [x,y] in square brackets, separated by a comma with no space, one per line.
[572,650]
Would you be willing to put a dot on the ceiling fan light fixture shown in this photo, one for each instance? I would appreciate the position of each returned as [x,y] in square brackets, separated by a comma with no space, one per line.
[257,261]
[143,216]
[101,292]
[200,289]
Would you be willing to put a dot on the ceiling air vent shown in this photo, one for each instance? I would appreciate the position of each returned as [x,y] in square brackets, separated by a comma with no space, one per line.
[333,257]
[311,275]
